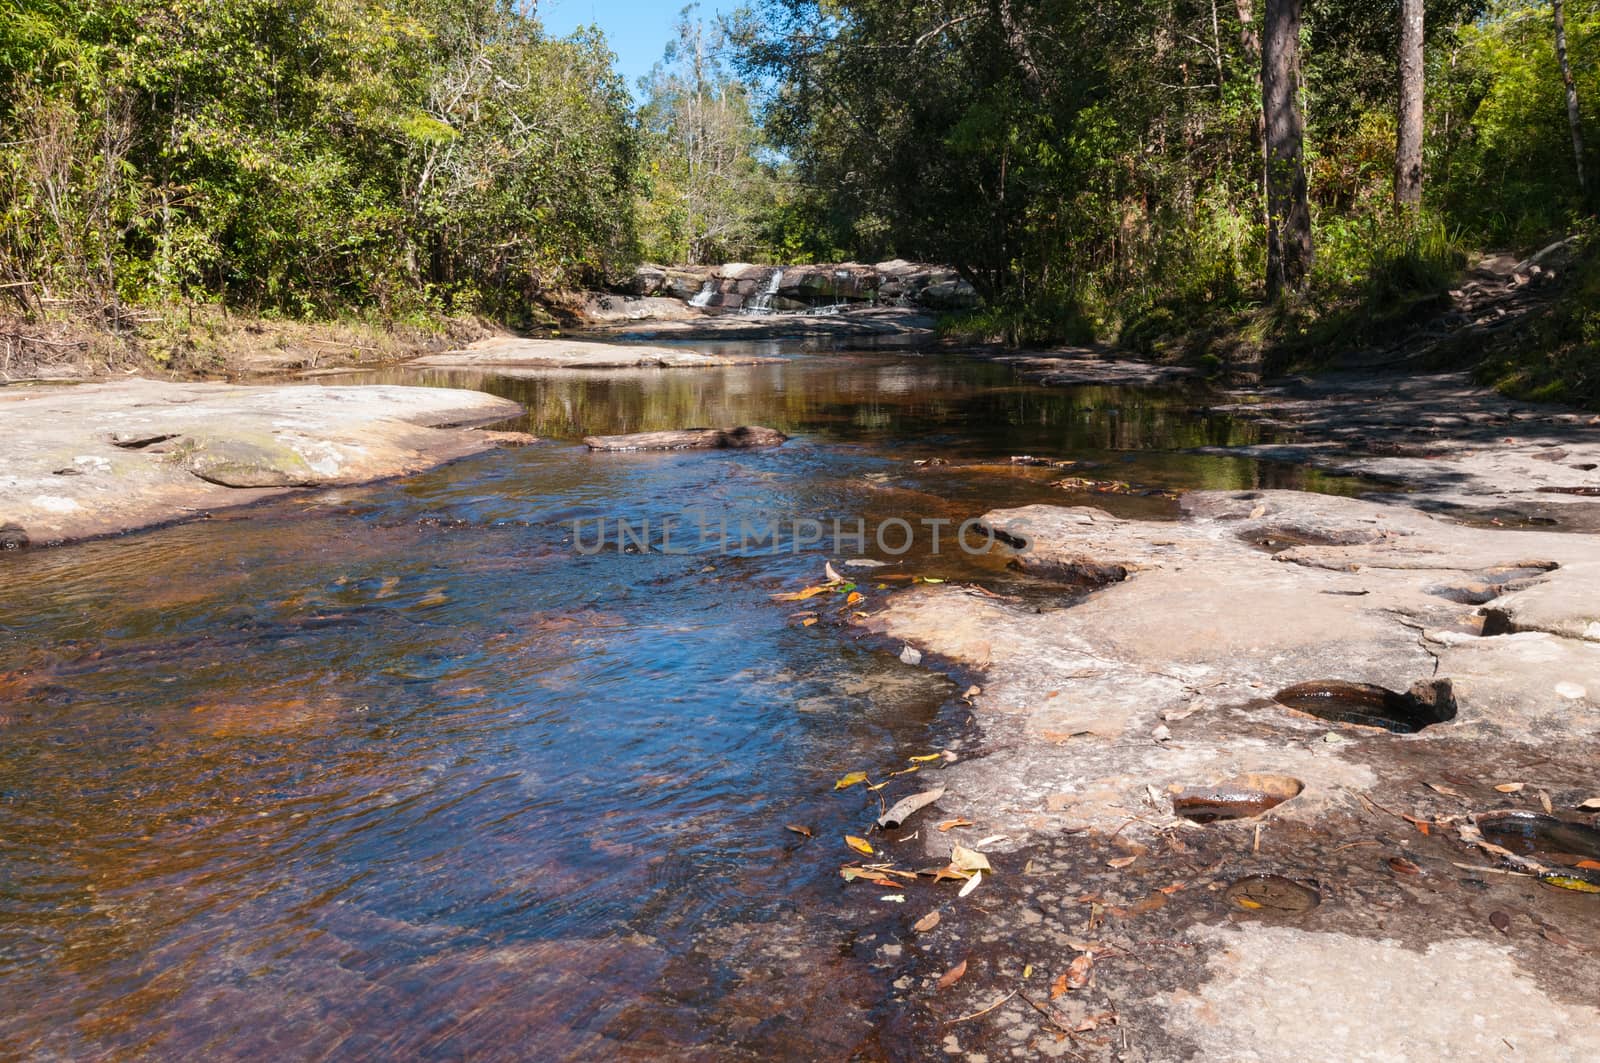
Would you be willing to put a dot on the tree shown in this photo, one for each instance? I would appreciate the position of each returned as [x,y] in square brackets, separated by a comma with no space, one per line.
[709,185]
[1409,129]
[1289,246]
[1574,121]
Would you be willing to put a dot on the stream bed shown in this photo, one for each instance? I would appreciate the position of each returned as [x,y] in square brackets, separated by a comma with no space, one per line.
[401,770]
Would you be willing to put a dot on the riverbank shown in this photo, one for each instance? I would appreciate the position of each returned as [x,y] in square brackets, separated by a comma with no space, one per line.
[97,459]
[1154,661]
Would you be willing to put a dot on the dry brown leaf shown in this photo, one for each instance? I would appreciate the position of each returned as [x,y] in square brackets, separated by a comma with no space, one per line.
[926,923]
[1401,866]
[1058,988]
[804,832]
[1510,787]
[1120,862]
[1591,805]
[1081,971]
[1544,802]
[1500,921]
[953,975]
[1440,788]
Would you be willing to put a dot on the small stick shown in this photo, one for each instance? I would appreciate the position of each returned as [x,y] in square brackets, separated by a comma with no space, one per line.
[985,1011]
[1493,870]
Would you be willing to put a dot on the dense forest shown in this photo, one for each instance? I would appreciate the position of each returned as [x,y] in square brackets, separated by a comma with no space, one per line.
[1091,165]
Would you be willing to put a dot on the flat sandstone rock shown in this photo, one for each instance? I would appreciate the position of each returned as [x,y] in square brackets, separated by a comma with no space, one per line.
[509,352]
[98,459]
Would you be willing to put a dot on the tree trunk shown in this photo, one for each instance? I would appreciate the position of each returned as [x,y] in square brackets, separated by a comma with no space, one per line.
[1573,120]
[1250,44]
[1408,138]
[1289,249]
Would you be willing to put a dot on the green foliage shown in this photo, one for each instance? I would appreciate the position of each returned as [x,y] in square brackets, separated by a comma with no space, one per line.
[1560,361]
[307,155]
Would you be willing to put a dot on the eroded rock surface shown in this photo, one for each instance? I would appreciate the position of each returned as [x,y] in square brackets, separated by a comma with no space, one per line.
[1153,676]
[97,459]
[510,352]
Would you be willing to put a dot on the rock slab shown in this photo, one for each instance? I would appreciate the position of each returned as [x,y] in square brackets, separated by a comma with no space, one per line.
[98,459]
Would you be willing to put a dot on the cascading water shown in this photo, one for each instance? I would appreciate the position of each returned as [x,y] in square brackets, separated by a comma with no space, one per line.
[702,298]
[761,301]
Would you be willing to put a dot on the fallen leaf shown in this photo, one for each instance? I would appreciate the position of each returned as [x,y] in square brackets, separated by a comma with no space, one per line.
[1591,865]
[1258,512]
[808,621]
[952,824]
[1027,970]
[1440,788]
[847,781]
[910,655]
[1120,862]
[926,923]
[972,883]
[931,579]
[800,596]
[860,845]
[804,832]
[964,859]
[880,785]
[990,840]
[925,758]
[898,898]
[1544,801]
[830,573]
[973,691]
[1591,805]
[953,975]
[1510,787]
[1081,971]
[1401,866]
[949,871]
[1058,988]
[853,598]
[907,807]
[906,771]
[1500,921]
[1570,882]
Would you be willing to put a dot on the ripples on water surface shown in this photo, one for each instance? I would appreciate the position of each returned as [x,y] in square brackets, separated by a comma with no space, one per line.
[392,770]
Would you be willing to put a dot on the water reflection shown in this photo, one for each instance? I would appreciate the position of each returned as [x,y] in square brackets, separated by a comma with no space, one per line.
[394,770]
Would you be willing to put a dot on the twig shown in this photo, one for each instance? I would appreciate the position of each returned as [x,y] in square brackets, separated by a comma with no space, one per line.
[1493,870]
[985,1011]
[1057,1023]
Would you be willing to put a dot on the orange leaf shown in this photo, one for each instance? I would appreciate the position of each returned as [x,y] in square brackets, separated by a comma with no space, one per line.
[1592,865]
[952,824]
[953,975]
[926,923]
[1080,972]
[1058,988]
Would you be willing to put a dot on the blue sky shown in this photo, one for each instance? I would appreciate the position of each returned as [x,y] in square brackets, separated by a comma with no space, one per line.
[637,30]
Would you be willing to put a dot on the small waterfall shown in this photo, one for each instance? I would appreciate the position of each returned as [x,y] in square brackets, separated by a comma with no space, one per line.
[761,301]
[702,298]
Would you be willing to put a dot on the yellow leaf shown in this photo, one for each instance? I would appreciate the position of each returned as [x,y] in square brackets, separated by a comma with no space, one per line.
[906,771]
[1246,902]
[800,596]
[860,845]
[925,758]
[808,621]
[1569,882]
[1027,970]
[1510,787]
[853,598]
[968,859]
[930,579]
[847,781]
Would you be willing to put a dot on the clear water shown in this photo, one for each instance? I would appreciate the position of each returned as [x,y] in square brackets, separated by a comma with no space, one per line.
[395,771]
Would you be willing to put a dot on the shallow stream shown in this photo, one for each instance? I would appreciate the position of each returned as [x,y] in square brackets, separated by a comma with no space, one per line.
[399,770]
